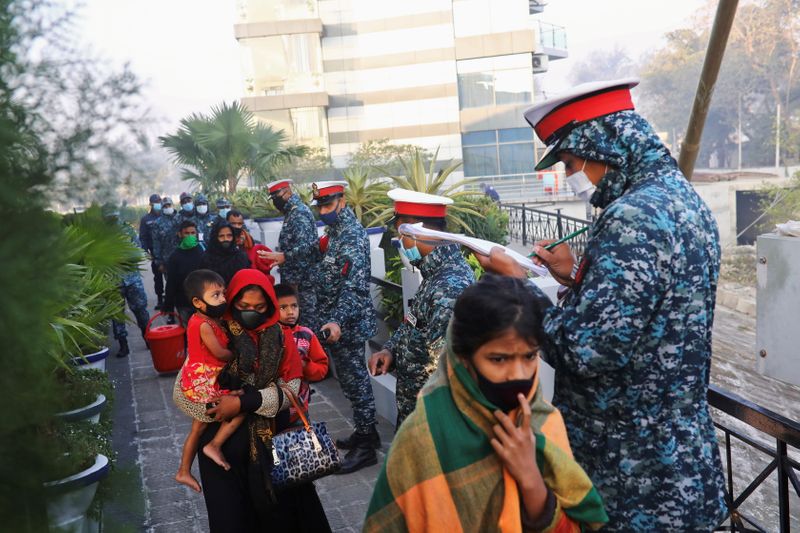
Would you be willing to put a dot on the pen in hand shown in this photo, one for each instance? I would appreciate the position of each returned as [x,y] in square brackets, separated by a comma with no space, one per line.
[561,240]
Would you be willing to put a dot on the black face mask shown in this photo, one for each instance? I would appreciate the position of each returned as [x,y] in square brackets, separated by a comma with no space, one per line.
[504,395]
[215,311]
[249,319]
[226,245]
[279,203]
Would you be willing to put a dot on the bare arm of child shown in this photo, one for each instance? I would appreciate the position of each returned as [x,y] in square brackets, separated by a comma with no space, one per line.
[211,342]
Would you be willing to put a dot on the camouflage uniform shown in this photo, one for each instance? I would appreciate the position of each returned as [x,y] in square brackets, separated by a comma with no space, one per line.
[299,242]
[204,222]
[182,216]
[344,298]
[146,225]
[165,238]
[633,340]
[445,274]
[132,290]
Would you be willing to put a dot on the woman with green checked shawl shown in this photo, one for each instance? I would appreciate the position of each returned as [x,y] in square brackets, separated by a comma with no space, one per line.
[460,462]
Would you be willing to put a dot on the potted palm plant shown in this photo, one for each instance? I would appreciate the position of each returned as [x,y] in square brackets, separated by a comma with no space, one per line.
[99,254]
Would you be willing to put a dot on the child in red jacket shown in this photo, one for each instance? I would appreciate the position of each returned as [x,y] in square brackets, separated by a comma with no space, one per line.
[312,354]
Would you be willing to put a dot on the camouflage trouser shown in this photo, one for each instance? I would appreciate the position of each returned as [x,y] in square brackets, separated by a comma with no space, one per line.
[307,300]
[351,369]
[134,294]
[408,386]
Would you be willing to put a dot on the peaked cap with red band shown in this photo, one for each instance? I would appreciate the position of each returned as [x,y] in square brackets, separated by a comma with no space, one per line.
[419,204]
[275,186]
[325,191]
[554,117]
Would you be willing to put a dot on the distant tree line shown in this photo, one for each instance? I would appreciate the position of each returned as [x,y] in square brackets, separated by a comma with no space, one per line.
[760,72]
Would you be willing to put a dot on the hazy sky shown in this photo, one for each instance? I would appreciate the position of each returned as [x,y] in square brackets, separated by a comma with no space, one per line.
[186,51]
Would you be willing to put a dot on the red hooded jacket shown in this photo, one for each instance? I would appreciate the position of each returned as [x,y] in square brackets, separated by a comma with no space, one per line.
[251,249]
[291,367]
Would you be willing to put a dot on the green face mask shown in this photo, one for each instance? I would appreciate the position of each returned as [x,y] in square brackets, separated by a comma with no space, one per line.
[188,242]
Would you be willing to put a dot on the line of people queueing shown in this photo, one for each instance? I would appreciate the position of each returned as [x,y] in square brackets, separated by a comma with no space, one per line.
[628,441]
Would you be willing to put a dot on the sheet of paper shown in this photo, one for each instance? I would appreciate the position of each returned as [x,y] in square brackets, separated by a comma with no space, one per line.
[480,246]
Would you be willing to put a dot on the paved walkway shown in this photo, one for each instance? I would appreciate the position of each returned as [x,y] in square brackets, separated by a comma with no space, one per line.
[149,432]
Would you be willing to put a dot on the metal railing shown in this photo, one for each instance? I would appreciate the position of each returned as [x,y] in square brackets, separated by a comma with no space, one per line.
[528,225]
[552,36]
[536,187]
[785,432]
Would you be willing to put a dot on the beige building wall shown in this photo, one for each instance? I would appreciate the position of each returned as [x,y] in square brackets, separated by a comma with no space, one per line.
[414,72]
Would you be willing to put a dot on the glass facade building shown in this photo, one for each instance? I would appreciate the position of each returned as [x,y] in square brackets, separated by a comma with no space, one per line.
[449,74]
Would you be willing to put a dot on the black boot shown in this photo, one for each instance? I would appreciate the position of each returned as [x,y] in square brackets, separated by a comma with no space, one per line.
[372,439]
[361,456]
[123,348]
[160,302]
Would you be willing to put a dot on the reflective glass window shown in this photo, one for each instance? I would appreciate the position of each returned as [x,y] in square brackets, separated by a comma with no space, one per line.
[478,137]
[515,135]
[480,161]
[516,158]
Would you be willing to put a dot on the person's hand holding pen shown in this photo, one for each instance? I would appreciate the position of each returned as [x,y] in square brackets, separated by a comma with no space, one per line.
[559,260]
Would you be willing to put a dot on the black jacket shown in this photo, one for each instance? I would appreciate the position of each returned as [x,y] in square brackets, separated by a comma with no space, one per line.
[146,231]
[179,265]
[224,261]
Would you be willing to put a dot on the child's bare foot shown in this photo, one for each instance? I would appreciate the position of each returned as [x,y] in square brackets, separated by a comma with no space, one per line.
[215,454]
[186,478]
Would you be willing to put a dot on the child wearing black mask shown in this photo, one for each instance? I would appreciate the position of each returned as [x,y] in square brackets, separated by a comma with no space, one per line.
[207,354]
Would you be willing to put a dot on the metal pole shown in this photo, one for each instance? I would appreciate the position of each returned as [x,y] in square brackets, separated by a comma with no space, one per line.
[778,137]
[559,224]
[739,134]
[524,228]
[784,515]
[723,21]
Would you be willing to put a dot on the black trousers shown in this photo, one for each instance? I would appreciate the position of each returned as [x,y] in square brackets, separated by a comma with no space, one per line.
[158,281]
[230,507]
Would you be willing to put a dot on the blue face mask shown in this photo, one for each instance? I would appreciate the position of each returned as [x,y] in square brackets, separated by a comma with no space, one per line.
[329,218]
[411,253]
[223,212]
[188,207]
[156,207]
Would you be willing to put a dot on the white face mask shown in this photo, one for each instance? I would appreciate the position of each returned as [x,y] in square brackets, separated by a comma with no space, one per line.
[202,209]
[168,210]
[581,185]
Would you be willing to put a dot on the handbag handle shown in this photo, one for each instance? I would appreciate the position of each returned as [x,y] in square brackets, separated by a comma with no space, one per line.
[289,393]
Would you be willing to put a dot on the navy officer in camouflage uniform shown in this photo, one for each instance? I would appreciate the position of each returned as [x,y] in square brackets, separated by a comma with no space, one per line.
[299,253]
[345,309]
[223,207]
[146,239]
[445,274]
[203,217]
[130,286]
[165,236]
[632,342]
[186,212]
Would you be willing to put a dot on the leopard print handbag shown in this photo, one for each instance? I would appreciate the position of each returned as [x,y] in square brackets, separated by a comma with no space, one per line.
[302,454]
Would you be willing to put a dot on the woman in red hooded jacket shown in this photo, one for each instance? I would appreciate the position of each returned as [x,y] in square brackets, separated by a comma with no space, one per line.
[241,499]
